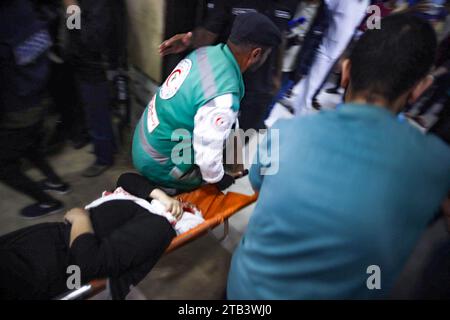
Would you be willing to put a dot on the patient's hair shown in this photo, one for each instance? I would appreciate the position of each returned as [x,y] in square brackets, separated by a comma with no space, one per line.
[387,62]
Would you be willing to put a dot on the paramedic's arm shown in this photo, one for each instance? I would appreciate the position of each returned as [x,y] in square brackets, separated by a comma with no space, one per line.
[212,126]
[217,18]
[136,184]
[181,42]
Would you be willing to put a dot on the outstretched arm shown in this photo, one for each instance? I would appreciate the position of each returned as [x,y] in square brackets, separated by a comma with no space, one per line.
[184,41]
[136,184]
[218,17]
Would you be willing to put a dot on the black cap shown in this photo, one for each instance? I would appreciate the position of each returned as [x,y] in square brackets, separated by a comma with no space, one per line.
[255,28]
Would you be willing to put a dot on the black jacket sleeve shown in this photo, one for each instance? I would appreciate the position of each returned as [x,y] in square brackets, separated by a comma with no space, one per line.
[96,21]
[127,253]
[136,184]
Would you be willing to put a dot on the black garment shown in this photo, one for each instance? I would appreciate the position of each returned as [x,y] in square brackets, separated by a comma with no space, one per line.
[20,144]
[117,44]
[127,243]
[23,61]
[253,110]
[21,138]
[219,20]
[86,50]
[86,47]
[257,28]
[66,102]
[22,85]
[443,54]
[221,13]
[33,262]
[313,39]
[434,283]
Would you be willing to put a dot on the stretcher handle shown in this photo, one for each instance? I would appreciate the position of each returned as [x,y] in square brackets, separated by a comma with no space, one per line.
[86,291]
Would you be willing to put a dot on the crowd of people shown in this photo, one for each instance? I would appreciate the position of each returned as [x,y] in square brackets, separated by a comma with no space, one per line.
[354,186]
[44,62]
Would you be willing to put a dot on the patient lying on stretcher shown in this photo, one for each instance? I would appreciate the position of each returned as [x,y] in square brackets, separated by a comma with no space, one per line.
[119,236]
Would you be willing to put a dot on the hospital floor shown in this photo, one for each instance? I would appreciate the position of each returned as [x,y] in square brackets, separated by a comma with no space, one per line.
[199,269]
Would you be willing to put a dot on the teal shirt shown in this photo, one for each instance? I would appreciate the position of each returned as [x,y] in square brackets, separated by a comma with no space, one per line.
[355,188]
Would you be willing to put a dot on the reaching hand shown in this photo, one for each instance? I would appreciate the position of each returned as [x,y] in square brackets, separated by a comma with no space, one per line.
[178,43]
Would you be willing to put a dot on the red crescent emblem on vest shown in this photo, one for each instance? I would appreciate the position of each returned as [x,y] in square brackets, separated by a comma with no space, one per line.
[173,74]
[219,121]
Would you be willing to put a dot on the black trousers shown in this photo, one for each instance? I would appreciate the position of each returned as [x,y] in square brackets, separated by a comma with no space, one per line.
[63,91]
[434,283]
[33,262]
[24,143]
[127,242]
[253,110]
[96,98]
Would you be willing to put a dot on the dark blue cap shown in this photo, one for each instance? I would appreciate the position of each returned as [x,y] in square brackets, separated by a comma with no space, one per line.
[255,28]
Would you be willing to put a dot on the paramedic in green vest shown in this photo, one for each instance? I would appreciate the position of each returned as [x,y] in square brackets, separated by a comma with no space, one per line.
[179,140]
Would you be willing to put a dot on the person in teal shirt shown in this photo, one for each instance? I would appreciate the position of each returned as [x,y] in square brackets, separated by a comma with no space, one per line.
[354,188]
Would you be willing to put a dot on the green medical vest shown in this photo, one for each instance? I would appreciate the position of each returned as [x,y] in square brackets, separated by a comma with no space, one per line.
[162,142]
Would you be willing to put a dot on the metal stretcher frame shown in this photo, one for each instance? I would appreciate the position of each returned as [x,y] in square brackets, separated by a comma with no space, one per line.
[216,208]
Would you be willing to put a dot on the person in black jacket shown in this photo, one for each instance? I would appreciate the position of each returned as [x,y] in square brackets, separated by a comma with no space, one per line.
[24,71]
[85,51]
[117,239]
[216,27]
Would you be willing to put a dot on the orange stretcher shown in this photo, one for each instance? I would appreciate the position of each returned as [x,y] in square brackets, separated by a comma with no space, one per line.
[216,208]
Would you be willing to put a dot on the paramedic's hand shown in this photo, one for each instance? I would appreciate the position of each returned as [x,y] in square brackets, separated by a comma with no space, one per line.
[68,3]
[178,43]
[226,182]
[76,214]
